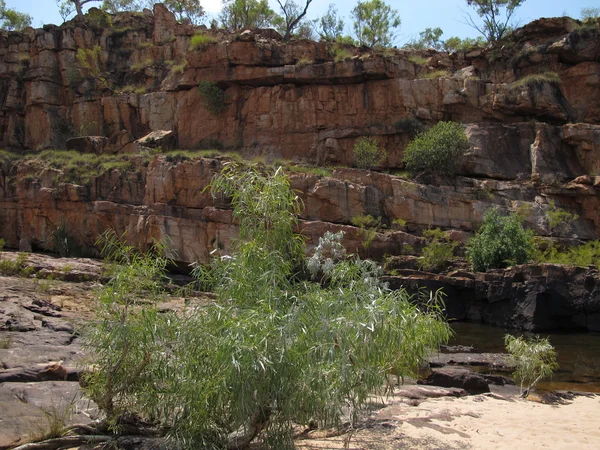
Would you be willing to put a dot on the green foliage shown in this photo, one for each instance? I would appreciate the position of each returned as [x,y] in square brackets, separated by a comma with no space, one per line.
[11,19]
[340,53]
[589,14]
[399,223]
[374,23]
[179,68]
[246,14]
[99,19]
[456,44]
[435,74]
[329,26]
[584,255]
[534,360]
[418,60]
[313,170]
[304,61]
[124,337]
[190,10]
[272,350]
[557,220]
[213,96]
[368,153]
[2,244]
[17,267]
[80,168]
[537,79]
[369,226]
[500,242]
[496,15]
[438,251]
[88,60]
[438,150]
[54,421]
[292,15]
[201,40]
[430,38]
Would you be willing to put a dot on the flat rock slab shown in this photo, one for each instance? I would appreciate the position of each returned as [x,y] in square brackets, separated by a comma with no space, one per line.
[26,408]
[496,361]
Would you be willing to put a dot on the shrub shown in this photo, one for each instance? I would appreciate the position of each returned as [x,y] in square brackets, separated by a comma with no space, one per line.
[557,220]
[534,359]
[199,41]
[340,53]
[500,242]
[418,60]
[437,150]
[584,255]
[272,350]
[369,226]
[213,95]
[368,153]
[88,60]
[2,244]
[434,74]
[538,79]
[438,251]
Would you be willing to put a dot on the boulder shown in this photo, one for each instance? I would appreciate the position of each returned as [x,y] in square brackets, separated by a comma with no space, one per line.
[458,378]
[163,139]
[87,144]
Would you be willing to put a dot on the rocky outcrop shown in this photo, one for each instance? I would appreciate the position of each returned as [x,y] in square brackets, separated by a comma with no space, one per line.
[530,297]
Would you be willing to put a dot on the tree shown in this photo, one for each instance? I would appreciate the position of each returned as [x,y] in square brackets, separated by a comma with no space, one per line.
[11,19]
[438,150]
[65,9]
[292,15]
[374,21]
[534,360]
[329,27]
[500,242]
[274,349]
[79,4]
[246,14]
[588,14]
[456,44]
[430,38]
[186,10]
[115,6]
[496,15]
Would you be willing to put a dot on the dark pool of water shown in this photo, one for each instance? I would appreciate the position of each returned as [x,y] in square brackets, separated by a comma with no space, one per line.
[578,353]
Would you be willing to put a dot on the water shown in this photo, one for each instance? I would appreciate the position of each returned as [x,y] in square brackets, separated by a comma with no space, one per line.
[578,354]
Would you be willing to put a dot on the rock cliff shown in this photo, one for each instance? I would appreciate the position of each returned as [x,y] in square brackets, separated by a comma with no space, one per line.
[531,109]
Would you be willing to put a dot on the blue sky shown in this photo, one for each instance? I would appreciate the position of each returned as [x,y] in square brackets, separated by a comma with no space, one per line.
[416,16]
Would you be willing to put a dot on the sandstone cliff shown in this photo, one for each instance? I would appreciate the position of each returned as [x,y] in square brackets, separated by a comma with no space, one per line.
[532,139]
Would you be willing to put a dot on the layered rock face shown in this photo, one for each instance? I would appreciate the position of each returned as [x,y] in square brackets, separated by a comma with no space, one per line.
[532,139]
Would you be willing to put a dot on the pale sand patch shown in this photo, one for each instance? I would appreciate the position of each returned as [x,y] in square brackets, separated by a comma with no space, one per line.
[475,422]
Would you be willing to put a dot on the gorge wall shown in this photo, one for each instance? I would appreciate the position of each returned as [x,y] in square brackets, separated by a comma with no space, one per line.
[533,140]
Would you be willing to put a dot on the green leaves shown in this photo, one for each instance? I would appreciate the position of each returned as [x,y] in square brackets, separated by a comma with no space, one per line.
[368,153]
[496,15]
[534,360]
[438,150]
[374,23]
[500,242]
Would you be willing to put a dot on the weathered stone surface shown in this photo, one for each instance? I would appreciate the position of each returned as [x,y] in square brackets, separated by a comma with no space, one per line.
[458,378]
[87,144]
[163,139]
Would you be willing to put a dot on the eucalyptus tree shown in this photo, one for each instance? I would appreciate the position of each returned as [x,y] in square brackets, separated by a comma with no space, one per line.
[286,341]
[330,26]
[292,14]
[11,19]
[374,23]
[246,14]
[496,16]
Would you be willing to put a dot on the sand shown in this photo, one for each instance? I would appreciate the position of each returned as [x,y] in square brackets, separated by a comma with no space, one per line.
[474,422]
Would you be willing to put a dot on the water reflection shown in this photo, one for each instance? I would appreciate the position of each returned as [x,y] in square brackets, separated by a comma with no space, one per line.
[578,353]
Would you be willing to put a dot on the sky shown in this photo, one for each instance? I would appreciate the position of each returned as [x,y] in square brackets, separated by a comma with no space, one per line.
[415,15]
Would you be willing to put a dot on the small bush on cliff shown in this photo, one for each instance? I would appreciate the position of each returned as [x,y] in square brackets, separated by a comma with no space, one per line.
[584,255]
[437,150]
[213,96]
[199,41]
[368,153]
[271,350]
[438,251]
[534,360]
[500,242]
[538,79]
[369,226]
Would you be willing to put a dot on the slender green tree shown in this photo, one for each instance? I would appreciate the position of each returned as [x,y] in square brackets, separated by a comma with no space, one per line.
[330,26]
[11,19]
[186,10]
[430,38]
[246,14]
[374,23]
[274,349]
[496,16]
